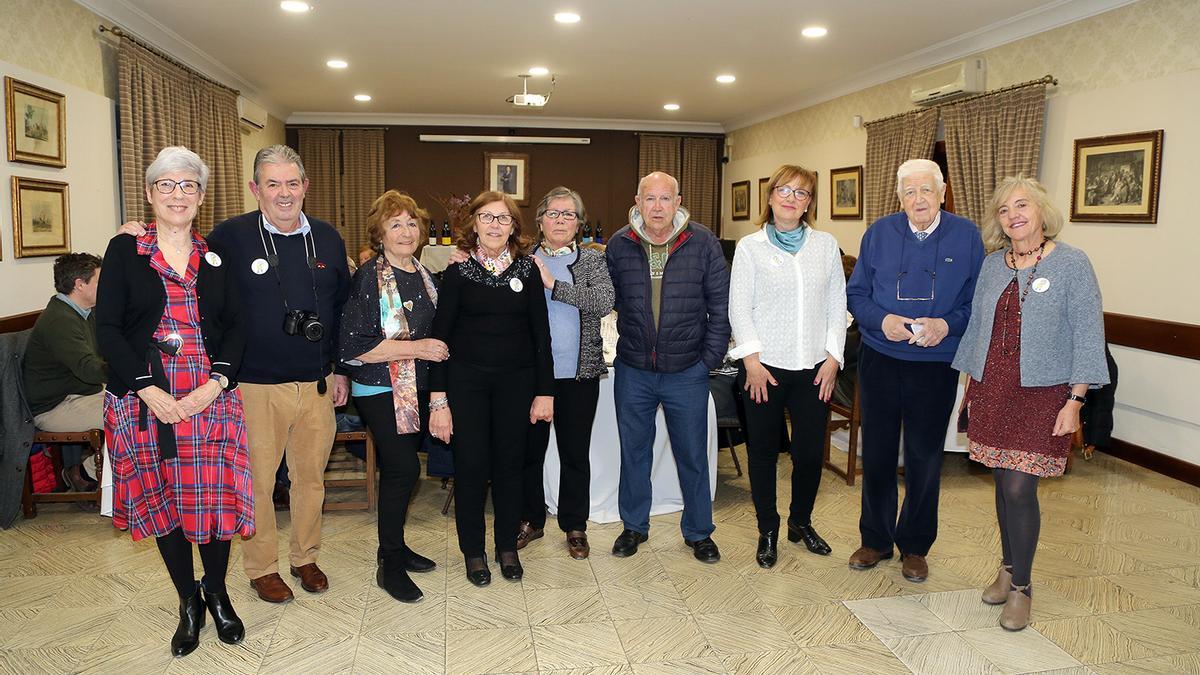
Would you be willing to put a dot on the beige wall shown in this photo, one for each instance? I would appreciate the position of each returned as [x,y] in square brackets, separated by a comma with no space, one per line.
[1135,68]
[254,140]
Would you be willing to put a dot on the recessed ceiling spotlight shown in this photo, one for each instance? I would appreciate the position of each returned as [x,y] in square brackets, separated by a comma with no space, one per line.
[566,17]
[363,98]
[296,6]
[671,106]
[539,70]
[814,31]
[726,79]
[336,63]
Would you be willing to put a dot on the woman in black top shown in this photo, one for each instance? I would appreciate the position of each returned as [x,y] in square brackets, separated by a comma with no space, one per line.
[492,314]
[385,340]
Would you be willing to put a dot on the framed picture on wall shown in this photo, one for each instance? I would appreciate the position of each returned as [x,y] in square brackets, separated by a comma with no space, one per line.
[41,217]
[740,199]
[37,124]
[1115,178]
[846,193]
[507,172]
[762,193]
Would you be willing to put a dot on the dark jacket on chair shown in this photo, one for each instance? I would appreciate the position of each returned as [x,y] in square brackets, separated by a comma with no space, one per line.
[16,426]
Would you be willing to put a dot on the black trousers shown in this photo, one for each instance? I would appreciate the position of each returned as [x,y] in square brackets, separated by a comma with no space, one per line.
[915,397]
[799,396]
[399,466]
[491,431]
[574,412]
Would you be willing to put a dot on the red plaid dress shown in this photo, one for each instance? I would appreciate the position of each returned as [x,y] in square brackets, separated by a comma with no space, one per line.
[206,489]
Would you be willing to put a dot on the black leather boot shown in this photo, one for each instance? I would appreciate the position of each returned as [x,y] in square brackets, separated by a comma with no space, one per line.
[191,620]
[812,541]
[392,577]
[768,549]
[229,627]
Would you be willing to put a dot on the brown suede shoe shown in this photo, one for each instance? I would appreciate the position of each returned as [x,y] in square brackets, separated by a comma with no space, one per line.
[527,533]
[1015,615]
[577,544]
[866,558]
[914,567]
[271,588]
[312,579]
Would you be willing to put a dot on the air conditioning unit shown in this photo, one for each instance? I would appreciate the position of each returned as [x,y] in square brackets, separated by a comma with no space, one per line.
[253,115]
[949,82]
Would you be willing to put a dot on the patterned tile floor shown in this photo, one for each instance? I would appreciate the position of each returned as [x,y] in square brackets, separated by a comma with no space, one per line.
[1117,590]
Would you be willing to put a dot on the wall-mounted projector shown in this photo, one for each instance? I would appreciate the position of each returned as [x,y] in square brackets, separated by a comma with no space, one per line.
[528,100]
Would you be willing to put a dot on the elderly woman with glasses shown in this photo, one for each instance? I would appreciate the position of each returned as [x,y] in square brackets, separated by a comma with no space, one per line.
[787,306]
[499,378]
[168,326]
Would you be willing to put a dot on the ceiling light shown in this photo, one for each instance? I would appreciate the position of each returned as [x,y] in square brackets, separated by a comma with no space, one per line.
[566,17]
[362,97]
[336,63]
[671,106]
[294,6]
[814,32]
[539,70]
[726,79]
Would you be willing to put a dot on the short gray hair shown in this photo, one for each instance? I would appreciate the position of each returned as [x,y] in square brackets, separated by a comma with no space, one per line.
[561,192]
[916,167]
[278,154]
[673,179]
[177,158]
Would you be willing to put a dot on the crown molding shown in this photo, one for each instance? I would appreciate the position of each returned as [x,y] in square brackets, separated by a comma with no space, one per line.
[507,121]
[1038,20]
[148,29]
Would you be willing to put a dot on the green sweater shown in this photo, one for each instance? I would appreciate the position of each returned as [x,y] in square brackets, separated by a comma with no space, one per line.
[61,358]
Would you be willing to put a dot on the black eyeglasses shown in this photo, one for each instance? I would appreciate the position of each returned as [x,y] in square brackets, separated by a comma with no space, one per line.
[166,186]
[566,215]
[785,191]
[488,218]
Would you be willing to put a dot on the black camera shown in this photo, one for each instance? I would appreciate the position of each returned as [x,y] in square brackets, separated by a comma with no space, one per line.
[303,322]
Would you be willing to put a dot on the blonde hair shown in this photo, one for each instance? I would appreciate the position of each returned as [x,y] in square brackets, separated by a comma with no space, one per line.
[782,176]
[994,238]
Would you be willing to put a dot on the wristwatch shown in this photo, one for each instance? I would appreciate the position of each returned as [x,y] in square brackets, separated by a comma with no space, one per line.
[1076,397]
[221,380]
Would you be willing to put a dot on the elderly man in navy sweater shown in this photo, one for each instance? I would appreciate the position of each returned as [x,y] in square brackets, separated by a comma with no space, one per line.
[911,294]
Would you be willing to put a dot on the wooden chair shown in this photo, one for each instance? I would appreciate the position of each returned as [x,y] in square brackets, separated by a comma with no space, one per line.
[367,481]
[851,418]
[93,438]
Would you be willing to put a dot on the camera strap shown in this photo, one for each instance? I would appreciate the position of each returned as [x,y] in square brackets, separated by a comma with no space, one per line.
[310,256]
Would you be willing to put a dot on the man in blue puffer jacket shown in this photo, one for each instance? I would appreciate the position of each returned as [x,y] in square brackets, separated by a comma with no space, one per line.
[672,299]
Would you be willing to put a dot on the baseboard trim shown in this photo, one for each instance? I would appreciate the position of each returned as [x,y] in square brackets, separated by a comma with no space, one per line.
[1155,461]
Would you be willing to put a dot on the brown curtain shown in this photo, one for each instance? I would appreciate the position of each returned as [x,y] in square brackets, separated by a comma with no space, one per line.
[362,183]
[658,153]
[163,103]
[891,142]
[320,150]
[990,138]
[700,181]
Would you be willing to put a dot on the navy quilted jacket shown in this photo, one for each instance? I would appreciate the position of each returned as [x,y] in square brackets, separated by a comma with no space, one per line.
[694,308]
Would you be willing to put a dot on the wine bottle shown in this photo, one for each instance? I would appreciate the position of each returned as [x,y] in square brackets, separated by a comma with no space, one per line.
[433,233]
[445,233]
[598,234]
[587,233]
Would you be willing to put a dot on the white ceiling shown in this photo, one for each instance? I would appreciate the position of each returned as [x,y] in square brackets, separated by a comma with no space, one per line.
[623,61]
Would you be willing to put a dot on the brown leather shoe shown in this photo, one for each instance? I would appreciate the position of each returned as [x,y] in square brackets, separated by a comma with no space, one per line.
[271,588]
[866,558]
[577,544]
[914,567]
[312,579]
[527,533]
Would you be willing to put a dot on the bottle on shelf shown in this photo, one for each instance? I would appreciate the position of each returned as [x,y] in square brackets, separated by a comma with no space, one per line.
[445,233]
[598,234]
[587,233]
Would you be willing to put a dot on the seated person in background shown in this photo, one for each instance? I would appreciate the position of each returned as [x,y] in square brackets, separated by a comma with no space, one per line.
[64,374]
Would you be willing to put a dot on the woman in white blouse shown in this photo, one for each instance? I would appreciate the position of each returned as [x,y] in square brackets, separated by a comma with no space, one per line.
[787,305]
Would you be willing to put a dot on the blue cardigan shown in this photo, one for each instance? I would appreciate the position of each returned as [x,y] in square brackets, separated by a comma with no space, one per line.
[954,253]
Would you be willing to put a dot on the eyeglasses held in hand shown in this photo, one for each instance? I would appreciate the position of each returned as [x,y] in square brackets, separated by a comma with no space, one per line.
[914,285]
[566,215]
[166,186]
[785,191]
[487,218]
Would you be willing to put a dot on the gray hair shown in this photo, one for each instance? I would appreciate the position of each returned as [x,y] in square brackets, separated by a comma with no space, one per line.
[177,158]
[561,192]
[278,154]
[916,167]
[674,181]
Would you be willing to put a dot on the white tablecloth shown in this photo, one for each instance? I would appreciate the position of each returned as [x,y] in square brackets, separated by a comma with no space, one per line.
[436,258]
[606,463]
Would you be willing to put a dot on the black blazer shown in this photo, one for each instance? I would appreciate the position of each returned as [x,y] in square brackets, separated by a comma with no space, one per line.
[130,303]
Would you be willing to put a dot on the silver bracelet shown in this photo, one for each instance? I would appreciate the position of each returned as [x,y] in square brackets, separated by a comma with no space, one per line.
[439,404]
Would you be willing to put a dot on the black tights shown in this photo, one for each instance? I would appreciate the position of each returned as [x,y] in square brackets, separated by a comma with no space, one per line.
[176,552]
[1020,521]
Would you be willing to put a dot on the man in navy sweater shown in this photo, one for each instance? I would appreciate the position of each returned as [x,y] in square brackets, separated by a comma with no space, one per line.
[911,294]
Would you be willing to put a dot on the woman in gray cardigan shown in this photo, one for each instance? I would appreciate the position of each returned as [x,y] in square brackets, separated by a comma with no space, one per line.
[1034,344]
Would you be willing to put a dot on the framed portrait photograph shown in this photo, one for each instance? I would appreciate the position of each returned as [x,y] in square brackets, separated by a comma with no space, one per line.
[507,172]
[41,217]
[1115,178]
[740,199]
[762,193]
[846,193]
[37,124]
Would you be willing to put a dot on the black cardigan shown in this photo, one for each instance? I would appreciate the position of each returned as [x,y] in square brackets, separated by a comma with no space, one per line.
[130,302]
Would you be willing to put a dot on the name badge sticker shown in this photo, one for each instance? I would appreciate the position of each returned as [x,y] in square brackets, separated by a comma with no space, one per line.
[516,285]
[212,259]
[1041,284]
[259,266]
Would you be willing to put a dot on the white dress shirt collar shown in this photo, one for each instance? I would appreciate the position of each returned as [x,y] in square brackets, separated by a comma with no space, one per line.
[304,228]
[937,220]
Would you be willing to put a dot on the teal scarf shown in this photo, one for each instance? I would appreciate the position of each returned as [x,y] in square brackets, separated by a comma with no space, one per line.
[790,241]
